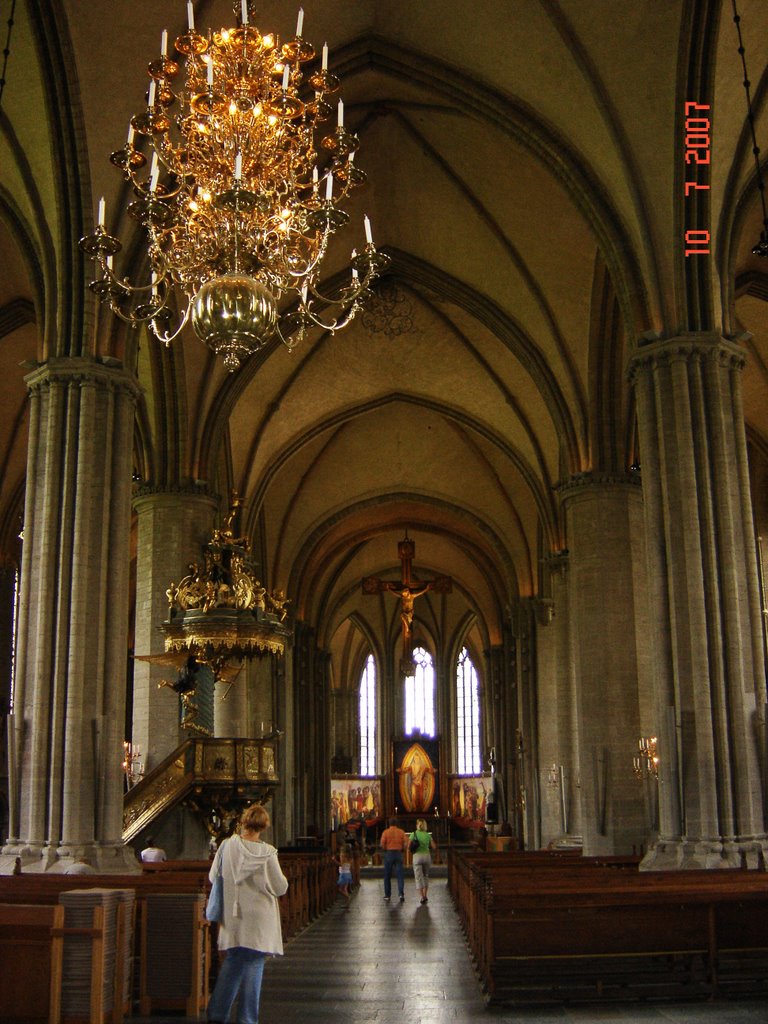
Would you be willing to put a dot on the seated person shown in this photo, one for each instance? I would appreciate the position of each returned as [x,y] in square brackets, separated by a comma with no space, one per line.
[151,853]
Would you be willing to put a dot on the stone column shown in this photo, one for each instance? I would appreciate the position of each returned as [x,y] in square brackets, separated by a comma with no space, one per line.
[7,599]
[173,528]
[285,796]
[603,521]
[311,721]
[73,620]
[7,615]
[558,721]
[709,672]
[345,727]
[521,732]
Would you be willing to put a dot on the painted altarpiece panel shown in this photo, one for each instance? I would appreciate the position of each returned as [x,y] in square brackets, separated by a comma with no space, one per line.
[355,798]
[416,775]
[469,798]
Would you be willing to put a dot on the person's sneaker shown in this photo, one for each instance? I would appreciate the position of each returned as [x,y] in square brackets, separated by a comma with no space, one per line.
[423,900]
[402,899]
[386,899]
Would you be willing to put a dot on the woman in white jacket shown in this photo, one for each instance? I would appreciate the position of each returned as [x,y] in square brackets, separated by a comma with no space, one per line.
[250,928]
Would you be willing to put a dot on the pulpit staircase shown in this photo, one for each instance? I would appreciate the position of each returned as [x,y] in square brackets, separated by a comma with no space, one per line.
[215,777]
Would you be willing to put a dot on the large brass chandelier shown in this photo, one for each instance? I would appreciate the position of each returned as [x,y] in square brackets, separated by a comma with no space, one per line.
[242,194]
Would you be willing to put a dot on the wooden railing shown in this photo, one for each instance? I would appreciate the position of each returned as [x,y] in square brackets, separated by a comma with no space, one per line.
[219,772]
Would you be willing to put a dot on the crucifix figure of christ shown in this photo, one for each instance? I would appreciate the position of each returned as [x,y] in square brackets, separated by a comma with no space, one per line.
[407,589]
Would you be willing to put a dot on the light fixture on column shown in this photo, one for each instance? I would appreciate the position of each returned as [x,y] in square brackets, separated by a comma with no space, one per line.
[133,765]
[646,764]
[242,194]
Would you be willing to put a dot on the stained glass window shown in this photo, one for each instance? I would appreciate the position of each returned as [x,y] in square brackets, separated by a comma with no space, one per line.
[420,695]
[368,718]
[467,715]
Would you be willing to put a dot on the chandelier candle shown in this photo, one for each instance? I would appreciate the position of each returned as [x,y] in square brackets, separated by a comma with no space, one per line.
[236,227]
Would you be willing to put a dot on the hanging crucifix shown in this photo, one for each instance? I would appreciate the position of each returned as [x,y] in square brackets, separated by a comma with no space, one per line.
[407,589]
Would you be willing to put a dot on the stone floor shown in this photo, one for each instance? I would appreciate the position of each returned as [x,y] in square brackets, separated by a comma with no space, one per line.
[393,963]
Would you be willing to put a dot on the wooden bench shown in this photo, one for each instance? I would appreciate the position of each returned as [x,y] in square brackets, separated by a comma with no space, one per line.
[311,891]
[27,952]
[543,928]
[32,955]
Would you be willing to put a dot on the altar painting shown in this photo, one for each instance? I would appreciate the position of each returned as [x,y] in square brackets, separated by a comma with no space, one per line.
[416,775]
[355,799]
[469,797]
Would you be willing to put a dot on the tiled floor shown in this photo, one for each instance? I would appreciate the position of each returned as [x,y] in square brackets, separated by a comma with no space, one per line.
[392,963]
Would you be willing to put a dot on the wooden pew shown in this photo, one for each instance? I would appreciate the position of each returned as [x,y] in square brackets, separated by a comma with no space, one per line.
[467,881]
[312,890]
[27,951]
[543,928]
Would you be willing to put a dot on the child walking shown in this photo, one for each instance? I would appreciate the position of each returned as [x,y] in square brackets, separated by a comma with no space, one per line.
[345,875]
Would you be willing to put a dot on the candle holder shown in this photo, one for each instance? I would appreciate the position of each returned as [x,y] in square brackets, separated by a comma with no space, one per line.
[645,765]
[240,149]
[133,766]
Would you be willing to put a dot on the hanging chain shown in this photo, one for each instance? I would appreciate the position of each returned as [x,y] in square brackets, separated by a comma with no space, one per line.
[761,249]
[7,50]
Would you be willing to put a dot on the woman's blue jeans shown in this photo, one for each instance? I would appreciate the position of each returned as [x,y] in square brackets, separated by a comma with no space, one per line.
[239,975]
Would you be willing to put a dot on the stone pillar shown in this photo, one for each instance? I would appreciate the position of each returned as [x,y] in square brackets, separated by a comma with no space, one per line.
[311,721]
[69,710]
[7,615]
[345,729]
[603,521]
[321,817]
[173,528]
[559,772]
[707,643]
[521,732]
[7,599]
[493,701]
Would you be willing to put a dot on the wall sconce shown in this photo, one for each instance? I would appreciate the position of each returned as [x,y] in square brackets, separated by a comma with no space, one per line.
[133,767]
[646,764]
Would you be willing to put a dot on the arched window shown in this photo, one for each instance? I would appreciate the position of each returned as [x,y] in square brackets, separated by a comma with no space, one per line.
[420,695]
[467,715]
[368,718]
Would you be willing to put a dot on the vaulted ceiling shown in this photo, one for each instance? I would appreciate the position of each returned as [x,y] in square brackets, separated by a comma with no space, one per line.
[526,174]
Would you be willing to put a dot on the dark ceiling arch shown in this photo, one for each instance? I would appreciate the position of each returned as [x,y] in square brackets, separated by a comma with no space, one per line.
[516,258]
[72,327]
[519,120]
[498,568]
[696,80]
[545,502]
[329,622]
[37,256]
[604,102]
[411,269]
[272,408]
